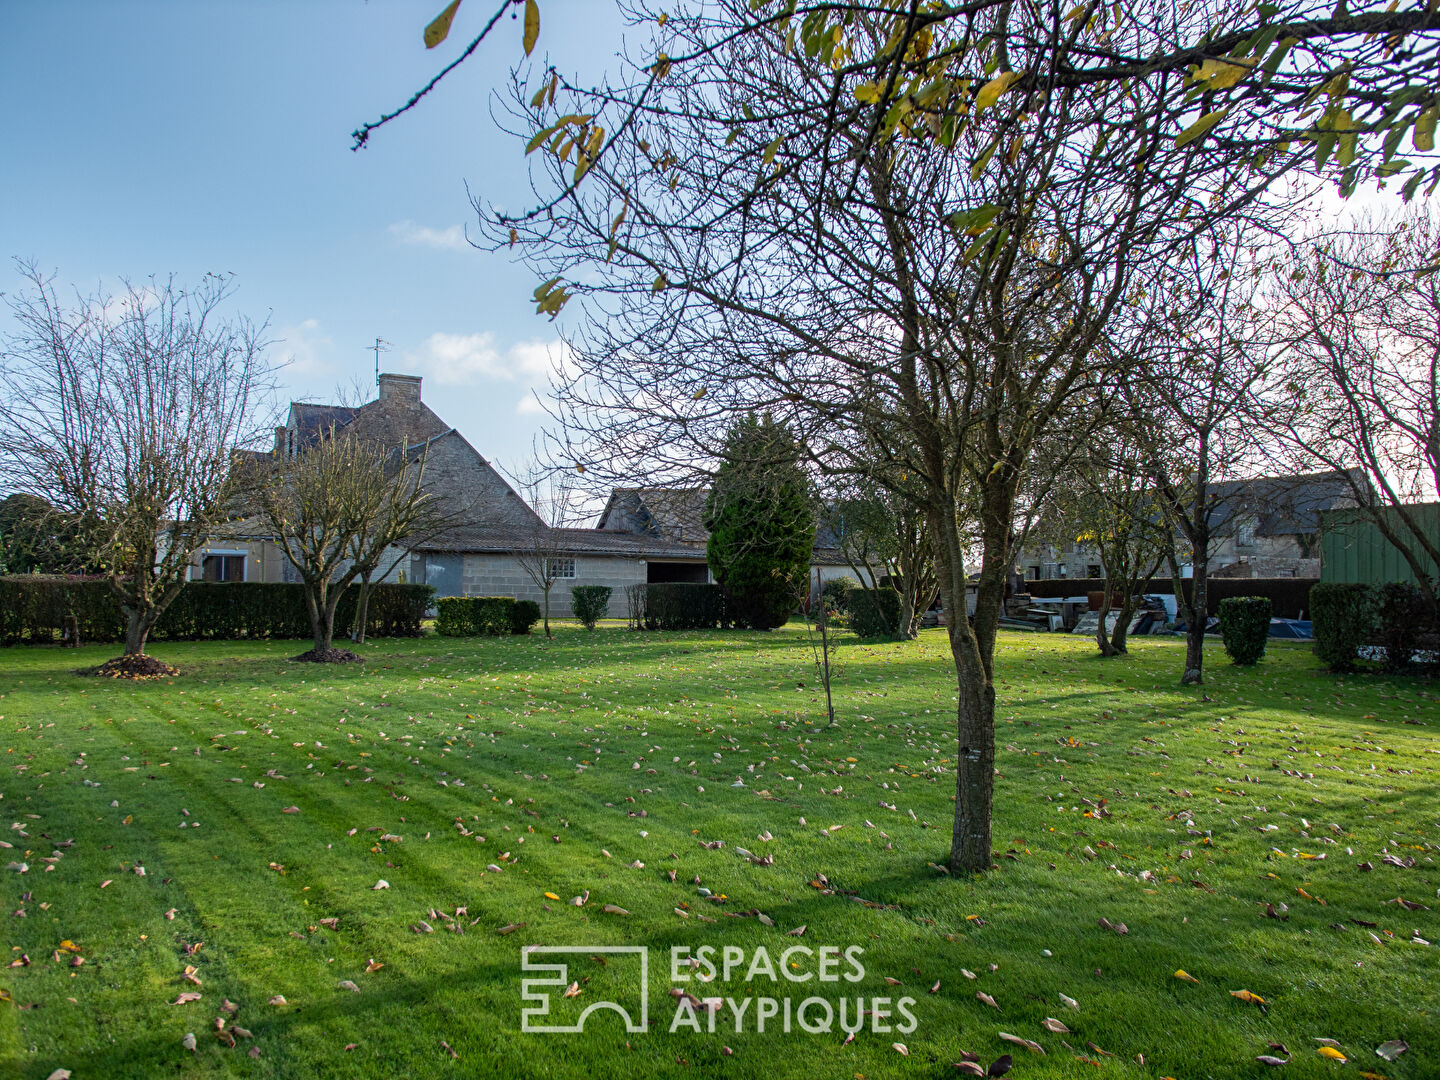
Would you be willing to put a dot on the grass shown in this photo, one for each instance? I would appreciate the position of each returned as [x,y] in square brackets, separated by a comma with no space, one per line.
[629,744]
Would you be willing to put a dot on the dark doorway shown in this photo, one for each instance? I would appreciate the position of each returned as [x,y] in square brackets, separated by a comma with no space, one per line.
[693,573]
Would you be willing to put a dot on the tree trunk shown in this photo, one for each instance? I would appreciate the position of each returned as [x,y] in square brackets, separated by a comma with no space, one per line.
[362,609]
[321,606]
[906,629]
[1102,636]
[974,711]
[1122,624]
[1195,620]
[975,767]
[548,635]
[138,623]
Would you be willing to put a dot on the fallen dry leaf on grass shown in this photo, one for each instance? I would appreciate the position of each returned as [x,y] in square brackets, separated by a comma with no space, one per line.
[278,999]
[1185,976]
[186,998]
[346,984]
[381,884]
[981,995]
[1033,1047]
[291,810]
[1068,1002]
[1331,1053]
[59,1074]
[1247,997]
[1054,1026]
[1392,1049]
[901,1049]
[1268,1059]
[614,909]
[188,1042]
[797,932]
[1118,927]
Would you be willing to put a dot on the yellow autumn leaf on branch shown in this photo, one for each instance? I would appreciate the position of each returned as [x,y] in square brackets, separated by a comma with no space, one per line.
[532,25]
[991,91]
[439,28]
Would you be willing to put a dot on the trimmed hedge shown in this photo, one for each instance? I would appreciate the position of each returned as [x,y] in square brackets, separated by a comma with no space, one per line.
[1401,615]
[524,617]
[589,603]
[471,616]
[675,605]
[874,613]
[1289,597]
[1342,618]
[1244,626]
[33,610]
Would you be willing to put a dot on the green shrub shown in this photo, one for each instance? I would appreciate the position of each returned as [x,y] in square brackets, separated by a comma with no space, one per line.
[1244,627]
[1400,614]
[1341,614]
[835,593]
[589,602]
[469,616]
[874,613]
[33,610]
[675,605]
[524,617]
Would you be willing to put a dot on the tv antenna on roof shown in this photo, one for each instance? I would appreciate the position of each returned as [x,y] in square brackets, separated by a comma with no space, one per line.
[381,345]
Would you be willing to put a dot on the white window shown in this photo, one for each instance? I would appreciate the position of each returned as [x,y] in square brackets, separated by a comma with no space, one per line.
[561,568]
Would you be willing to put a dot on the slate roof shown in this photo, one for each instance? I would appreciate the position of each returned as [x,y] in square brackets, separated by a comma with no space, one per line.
[1281,505]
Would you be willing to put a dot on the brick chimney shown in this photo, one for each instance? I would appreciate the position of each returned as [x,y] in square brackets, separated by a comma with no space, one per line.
[400,388]
[280,441]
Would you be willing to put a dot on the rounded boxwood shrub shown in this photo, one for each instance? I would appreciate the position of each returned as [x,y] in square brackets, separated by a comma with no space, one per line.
[874,613]
[836,592]
[589,602]
[1341,614]
[524,617]
[1244,626]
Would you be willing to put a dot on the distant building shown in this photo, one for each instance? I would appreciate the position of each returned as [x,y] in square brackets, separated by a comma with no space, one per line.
[1268,526]
[643,535]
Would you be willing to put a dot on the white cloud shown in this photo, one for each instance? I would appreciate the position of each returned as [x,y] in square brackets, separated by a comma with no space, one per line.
[468,359]
[306,349]
[451,238]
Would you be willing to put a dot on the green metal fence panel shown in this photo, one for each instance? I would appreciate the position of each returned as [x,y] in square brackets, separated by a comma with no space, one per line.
[1353,549]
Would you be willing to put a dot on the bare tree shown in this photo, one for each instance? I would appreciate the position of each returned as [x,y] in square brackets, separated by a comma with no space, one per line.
[1197,348]
[1358,390]
[125,413]
[880,530]
[543,549]
[339,510]
[943,300]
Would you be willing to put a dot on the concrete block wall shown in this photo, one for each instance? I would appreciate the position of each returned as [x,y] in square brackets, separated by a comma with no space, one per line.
[503,575]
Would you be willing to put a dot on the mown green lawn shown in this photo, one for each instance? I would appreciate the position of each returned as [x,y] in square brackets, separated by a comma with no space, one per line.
[628,748]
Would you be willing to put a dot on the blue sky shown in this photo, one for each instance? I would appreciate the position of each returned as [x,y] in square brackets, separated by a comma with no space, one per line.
[158,136]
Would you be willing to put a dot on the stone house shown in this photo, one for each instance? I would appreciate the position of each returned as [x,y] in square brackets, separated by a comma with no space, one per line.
[1268,526]
[643,534]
